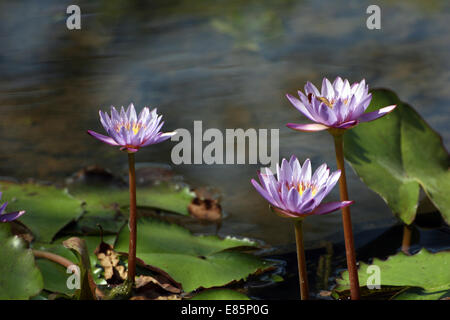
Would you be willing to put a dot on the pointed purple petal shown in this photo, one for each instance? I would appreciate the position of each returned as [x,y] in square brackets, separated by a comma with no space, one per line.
[2,208]
[338,84]
[160,138]
[366,117]
[305,175]
[346,90]
[300,107]
[347,125]
[115,117]
[327,89]
[102,138]
[284,213]
[360,89]
[131,114]
[105,121]
[325,208]
[8,217]
[307,127]
[310,88]
[317,176]
[263,192]
[332,180]
[291,163]
[270,184]
[360,107]
[286,171]
[296,170]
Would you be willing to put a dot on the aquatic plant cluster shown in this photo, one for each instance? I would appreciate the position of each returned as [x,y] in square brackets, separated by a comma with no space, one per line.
[295,191]
[339,106]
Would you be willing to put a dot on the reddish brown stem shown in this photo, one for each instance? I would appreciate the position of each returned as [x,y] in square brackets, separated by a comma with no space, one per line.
[132,221]
[302,274]
[406,242]
[346,220]
[52,257]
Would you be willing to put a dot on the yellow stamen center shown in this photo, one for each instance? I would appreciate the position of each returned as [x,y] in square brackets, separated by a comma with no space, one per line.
[325,100]
[135,126]
[328,103]
[302,188]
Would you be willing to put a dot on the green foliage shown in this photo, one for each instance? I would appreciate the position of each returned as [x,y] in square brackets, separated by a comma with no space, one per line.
[398,154]
[55,275]
[194,261]
[423,276]
[164,196]
[48,209]
[220,294]
[19,276]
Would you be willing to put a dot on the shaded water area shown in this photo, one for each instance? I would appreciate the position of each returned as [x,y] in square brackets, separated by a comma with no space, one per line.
[227,63]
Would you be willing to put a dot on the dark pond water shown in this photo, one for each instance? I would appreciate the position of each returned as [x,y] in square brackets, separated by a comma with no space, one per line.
[227,63]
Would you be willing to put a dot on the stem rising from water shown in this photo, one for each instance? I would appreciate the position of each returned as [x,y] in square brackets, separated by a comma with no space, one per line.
[302,274]
[346,219]
[132,221]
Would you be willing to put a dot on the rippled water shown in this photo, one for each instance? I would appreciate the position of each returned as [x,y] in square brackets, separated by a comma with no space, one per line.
[227,63]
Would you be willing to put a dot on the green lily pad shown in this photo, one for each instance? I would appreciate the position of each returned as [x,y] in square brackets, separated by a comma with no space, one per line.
[421,294]
[425,275]
[165,196]
[48,209]
[155,236]
[398,154]
[102,199]
[194,261]
[55,277]
[215,270]
[19,276]
[220,294]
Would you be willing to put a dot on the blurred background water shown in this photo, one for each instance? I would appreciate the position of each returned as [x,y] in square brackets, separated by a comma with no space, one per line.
[228,63]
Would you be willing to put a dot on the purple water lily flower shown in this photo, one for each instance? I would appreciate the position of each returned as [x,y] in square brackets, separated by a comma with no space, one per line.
[296,192]
[129,131]
[339,105]
[8,217]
